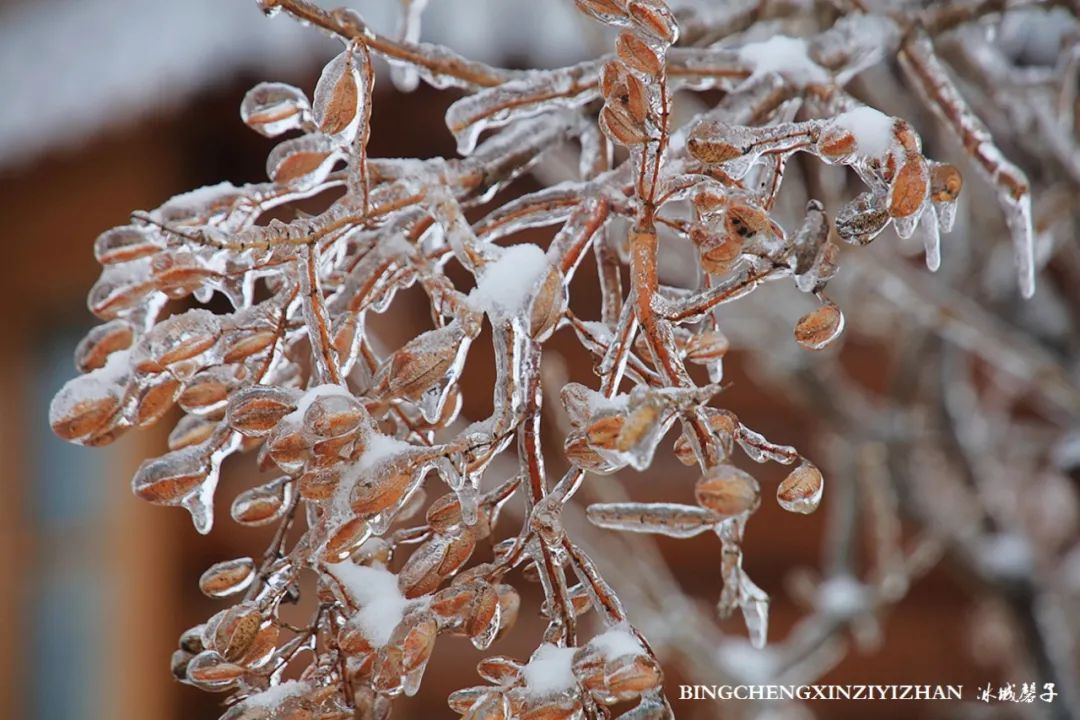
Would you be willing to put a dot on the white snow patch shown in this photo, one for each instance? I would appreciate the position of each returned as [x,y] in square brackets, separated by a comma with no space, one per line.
[873,129]
[107,380]
[378,447]
[1006,555]
[550,671]
[601,403]
[311,395]
[785,56]
[617,642]
[272,696]
[504,286]
[842,596]
[375,589]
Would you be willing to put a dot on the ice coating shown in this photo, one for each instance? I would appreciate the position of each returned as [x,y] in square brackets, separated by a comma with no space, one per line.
[549,671]
[359,418]
[273,696]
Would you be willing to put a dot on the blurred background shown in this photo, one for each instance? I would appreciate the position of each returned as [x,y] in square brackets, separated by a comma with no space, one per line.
[115,105]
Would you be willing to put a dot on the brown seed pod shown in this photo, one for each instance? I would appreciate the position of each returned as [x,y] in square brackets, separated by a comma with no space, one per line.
[631,676]
[945,182]
[746,221]
[235,631]
[636,54]
[706,347]
[603,432]
[910,188]
[319,484]
[552,710]
[620,128]
[381,486]
[801,490]
[638,425]
[288,447]
[612,79]
[263,504]
[717,253]
[208,390]
[125,244]
[489,705]
[273,108]
[635,101]
[116,292]
[416,636]
[346,537]
[444,513]
[819,327]
[337,94]
[548,306]
[509,607]
[103,340]
[836,144]
[860,220]
[242,345]
[707,144]
[499,669]
[606,11]
[227,578]
[458,551]
[580,452]
[332,416]
[156,397]
[352,641]
[83,407]
[210,670]
[654,20]
[254,411]
[387,672]
[727,491]
[482,621]
[422,572]
[170,478]
[300,162]
[421,363]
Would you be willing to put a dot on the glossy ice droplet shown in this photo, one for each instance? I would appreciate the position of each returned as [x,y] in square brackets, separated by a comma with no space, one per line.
[727,491]
[818,328]
[272,108]
[227,578]
[263,504]
[801,490]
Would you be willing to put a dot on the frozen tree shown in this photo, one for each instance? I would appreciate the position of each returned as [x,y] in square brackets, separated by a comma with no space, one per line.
[673,145]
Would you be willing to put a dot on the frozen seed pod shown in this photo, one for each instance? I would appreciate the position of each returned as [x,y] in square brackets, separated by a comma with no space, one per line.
[87,403]
[272,108]
[801,490]
[819,327]
[228,577]
[263,504]
[255,411]
[102,341]
[727,491]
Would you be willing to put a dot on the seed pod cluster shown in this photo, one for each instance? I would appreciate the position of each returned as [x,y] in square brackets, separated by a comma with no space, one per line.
[253,327]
